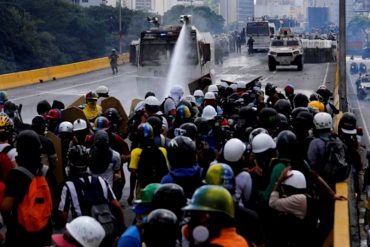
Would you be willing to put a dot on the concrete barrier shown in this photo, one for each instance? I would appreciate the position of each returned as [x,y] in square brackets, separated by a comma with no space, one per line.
[35,76]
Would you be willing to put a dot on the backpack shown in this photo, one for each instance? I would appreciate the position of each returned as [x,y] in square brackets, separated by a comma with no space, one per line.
[5,163]
[152,166]
[35,210]
[336,168]
[93,203]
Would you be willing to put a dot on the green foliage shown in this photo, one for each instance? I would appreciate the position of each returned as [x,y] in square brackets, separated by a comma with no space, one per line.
[202,17]
[36,34]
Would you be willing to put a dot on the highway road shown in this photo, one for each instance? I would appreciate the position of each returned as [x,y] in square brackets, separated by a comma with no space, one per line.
[127,85]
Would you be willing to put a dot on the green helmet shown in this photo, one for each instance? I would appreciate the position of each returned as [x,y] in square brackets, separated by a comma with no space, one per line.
[147,193]
[212,198]
[220,174]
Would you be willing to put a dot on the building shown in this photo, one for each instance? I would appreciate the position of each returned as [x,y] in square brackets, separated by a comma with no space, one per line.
[236,10]
[144,5]
[332,5]
[89,3]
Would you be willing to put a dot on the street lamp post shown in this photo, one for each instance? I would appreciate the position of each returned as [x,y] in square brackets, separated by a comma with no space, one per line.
[342,57]
[120,26]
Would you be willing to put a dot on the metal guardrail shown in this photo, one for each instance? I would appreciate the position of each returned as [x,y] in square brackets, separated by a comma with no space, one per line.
[30,77]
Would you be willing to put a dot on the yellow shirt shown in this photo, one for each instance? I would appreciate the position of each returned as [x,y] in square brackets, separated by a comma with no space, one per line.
[135,157]
[92,112]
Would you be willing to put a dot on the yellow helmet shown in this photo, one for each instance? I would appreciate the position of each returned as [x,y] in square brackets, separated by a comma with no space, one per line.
[316,105]
[6,123]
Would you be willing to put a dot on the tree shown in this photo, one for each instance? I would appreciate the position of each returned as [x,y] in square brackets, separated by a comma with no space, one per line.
[202,17]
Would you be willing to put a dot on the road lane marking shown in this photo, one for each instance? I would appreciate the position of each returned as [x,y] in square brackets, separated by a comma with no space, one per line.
[69,87]
[326,74]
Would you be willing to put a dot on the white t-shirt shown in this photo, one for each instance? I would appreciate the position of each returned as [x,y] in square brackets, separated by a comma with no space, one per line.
[243,188]
[12,152]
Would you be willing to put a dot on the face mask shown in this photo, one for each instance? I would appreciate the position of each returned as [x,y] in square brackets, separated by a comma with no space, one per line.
[199,101]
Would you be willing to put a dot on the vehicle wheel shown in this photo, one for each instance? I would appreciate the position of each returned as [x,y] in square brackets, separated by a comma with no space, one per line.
[272,64]
[300,64]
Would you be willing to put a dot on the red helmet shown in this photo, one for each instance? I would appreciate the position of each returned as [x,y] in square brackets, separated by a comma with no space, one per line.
[289,89]
[54,114]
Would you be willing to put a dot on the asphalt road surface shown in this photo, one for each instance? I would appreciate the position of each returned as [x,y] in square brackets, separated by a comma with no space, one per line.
[126,85]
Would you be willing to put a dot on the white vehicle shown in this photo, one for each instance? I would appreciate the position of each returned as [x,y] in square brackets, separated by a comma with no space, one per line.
[285,51]
[261,32]
[156,47]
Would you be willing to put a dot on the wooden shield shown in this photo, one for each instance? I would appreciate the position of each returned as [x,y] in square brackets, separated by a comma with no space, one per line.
[115,103]
[134,103]
[78,102]
[58,172]
[72,113]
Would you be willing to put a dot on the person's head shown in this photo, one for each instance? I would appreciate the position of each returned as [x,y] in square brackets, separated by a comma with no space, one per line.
[295,184]
[100,152]
[53,117]
[233,150]
[29,150]
[80,130]
[283,106]
[300,100]
[77,160]
[170,196]
[156,123]
[6,128]
[347,124]
[316,106]
[102,91]
[199,97]
[181,152]
[176,93]
[323,122]
[209,113]
[268,119]
[286,144]
[263,147]
[114,118]
[91,98]
[57,105]
[214,89]
[270,89]
[145,134]
[302,123]
[3,97]
[152,105]
[222,175]
[101,123]
[161,229]
[211,209]
[188,129]
[289,90]
[65,130]
[43,107]
[83,231]
[210,99]
[143,206]
[248,115]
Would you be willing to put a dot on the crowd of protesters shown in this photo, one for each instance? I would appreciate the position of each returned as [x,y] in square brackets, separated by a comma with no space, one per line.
[235,165]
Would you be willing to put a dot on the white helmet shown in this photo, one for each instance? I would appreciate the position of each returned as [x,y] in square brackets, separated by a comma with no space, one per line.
[241,84]
[234,150]
[262,142]
[102,90]
[177,90]
[198,93]
[79,124]
[234,87]
[65,127]
[210,95]
[212,88]
[152,101]
[86,230]
[255,132]
[189,98]
[296,180]
[323,120]
[209,112]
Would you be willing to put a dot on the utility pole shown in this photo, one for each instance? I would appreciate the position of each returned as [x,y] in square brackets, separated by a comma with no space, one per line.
[120,26]
[343,103]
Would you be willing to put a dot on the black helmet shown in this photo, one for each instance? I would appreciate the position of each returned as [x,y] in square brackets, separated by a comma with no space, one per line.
[101,138]
[324,93]
[28,143]
[316,97]
[297,110]
[112,115]
[161,229]
[43,107]
[202,125]
[169,196]
[303,119]
[181,152]
[286,143]
[191,130]
[268,118]
[78,158]
[248,113]
[283,106]
[348,124]
[270,89]
[156,122]
[300,100]
[283,122]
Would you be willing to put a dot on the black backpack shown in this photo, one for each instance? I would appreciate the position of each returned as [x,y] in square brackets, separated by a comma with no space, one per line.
[336,168]
[93,203]
[152,166]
